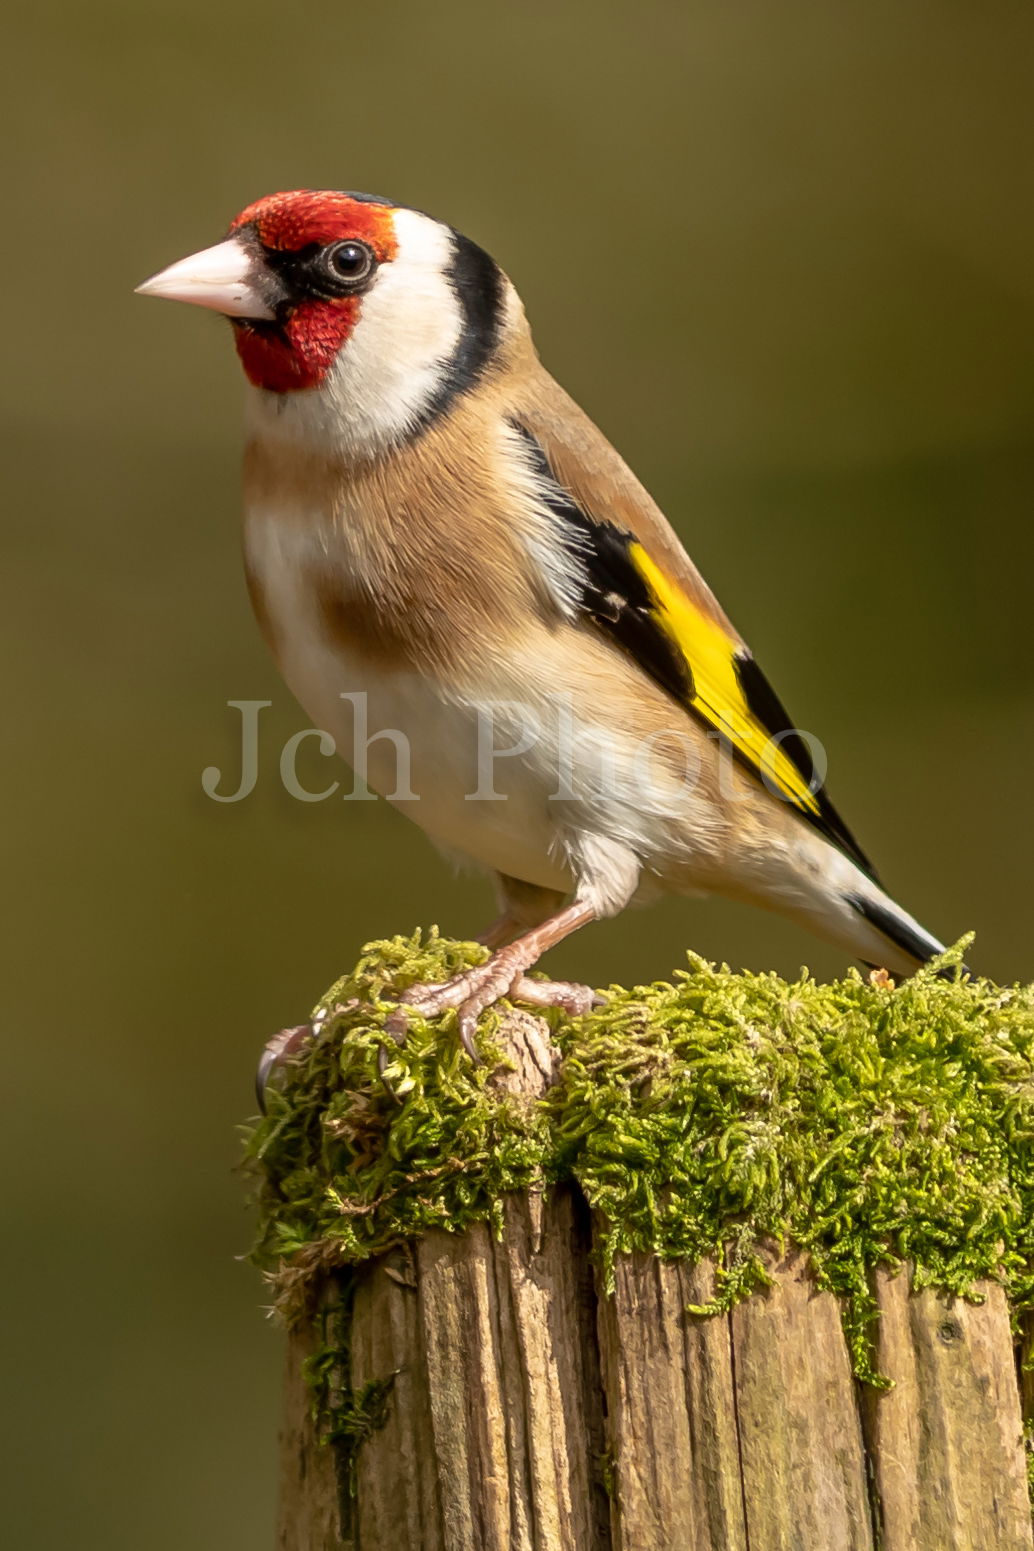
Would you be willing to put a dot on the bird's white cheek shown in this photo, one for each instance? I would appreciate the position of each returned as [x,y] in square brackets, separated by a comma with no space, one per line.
[394,365]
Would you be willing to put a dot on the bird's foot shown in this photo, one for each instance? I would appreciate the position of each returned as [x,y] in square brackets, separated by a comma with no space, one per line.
[278,1051]
[275,1052]
[477,989]
[568,995]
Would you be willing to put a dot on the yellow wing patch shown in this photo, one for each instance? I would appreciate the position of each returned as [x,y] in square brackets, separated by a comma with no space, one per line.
[627,596]
[718,693]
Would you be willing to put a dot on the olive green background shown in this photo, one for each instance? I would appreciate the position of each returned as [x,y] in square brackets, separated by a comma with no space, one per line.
[783,253]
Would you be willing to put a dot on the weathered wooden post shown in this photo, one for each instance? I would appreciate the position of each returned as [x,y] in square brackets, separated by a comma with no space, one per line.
[655,1288]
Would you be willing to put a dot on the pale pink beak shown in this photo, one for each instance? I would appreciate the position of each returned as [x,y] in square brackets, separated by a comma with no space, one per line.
[224,278]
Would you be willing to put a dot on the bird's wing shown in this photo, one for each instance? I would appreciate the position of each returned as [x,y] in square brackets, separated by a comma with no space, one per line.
[643,591]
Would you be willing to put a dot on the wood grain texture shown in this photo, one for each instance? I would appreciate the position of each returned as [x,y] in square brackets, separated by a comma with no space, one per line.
[802,1453]
[530,1410]
[507,1356]
[1026,1368]
[947,1441]
[493,1435]
[671,1415]
[310,1496]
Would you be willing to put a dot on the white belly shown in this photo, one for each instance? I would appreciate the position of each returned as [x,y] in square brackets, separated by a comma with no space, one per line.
[574,802]
[403,735]
[420,750]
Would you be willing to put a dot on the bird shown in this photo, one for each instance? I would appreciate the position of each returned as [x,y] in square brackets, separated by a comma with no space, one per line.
[467,588]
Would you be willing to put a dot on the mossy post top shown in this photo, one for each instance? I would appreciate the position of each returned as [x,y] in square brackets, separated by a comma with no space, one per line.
[867,1122]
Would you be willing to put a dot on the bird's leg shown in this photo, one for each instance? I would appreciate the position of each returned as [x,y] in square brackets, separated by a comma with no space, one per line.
[521,906]
[505,972]
[502,930]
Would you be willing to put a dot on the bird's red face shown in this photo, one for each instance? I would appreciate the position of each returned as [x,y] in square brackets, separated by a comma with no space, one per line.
[325,249]
[291,275]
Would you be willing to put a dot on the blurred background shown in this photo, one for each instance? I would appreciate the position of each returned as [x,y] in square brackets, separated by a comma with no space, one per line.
[783,254]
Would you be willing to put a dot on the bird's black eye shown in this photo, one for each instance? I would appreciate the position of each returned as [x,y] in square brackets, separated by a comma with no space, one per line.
[325,272]
[347,264]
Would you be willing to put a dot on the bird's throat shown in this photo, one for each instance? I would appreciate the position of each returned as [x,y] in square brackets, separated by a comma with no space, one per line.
[299,352]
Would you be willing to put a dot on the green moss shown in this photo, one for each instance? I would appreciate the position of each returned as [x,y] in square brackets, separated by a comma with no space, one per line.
[607,1474]
[344,1417]
[866,1123]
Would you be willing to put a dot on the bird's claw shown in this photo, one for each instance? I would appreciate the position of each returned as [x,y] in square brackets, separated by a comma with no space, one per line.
[383,1062]
[474,991]
[397,1025]
[574,999]
[288,1042]
[470,993]
[276,1052]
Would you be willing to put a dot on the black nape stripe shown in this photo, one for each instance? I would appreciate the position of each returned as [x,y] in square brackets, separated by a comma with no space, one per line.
[477,282]
[903,936]
[614,593]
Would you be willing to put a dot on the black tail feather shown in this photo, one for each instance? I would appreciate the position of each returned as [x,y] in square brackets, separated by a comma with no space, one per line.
[902,934]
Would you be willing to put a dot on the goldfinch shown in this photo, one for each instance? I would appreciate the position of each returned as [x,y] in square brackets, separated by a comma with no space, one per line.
[464,584]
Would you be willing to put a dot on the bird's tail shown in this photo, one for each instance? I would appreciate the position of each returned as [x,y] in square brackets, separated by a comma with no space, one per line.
[839,901]
[895,927]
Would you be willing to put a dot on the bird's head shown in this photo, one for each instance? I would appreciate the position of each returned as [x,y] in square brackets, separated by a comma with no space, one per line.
[367,300]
